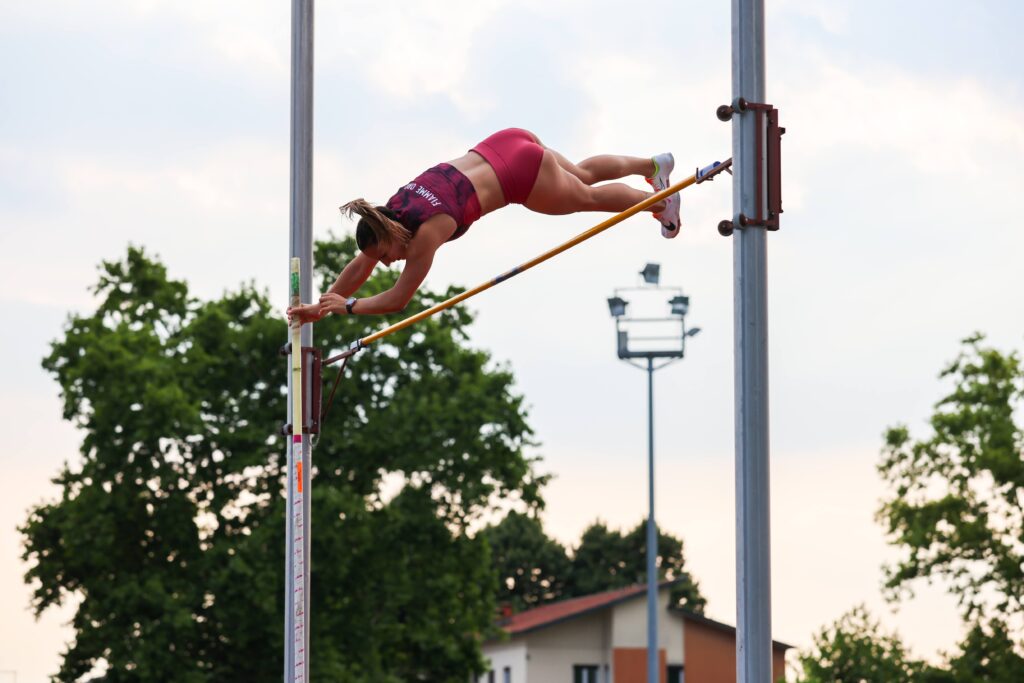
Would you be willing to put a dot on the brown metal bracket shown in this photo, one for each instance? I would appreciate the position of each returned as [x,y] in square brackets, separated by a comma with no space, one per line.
[768,159]
[312,384]
[352,350]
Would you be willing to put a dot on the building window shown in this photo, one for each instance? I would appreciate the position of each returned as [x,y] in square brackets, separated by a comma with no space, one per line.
[490,677]
[584,673]
[506,675]
[675,673]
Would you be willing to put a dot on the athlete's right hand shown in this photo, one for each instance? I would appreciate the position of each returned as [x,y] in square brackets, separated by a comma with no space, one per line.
[306,313]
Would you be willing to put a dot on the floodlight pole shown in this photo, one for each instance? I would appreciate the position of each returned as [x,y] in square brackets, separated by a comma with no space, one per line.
[617,307]
[297,533]
[753,546]
[652,538]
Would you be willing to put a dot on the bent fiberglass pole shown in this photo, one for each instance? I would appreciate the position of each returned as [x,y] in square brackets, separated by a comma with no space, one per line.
[706,173]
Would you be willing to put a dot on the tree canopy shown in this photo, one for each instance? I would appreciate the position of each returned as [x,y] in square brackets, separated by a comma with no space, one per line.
[854,649]
[954,505]
[534,569]
[954,509]
[168,534]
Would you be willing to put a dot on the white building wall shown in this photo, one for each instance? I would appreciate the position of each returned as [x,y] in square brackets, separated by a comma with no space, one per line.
[670,633]
[549,654]
[553,651]
[629,626]
[511,654]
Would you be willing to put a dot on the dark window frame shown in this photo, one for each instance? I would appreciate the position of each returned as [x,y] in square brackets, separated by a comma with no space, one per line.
[580,671]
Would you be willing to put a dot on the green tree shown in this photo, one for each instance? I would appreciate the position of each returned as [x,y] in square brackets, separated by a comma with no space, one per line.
[855,650]
[955,499]
[601,562]
[607,559]
[987,655]
[954,507]
[531,568]
[168,533]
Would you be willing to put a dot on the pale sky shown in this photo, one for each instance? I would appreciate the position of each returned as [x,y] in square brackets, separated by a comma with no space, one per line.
[164,123]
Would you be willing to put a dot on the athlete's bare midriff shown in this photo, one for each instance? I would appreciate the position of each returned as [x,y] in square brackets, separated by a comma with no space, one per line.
[484,179]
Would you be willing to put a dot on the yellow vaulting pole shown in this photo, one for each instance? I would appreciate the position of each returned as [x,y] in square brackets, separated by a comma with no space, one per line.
[697,177]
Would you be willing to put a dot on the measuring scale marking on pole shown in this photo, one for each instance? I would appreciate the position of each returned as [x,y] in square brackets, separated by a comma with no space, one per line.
[298,519]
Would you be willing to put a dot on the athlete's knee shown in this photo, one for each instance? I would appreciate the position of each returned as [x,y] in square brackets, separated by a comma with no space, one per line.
[585,173]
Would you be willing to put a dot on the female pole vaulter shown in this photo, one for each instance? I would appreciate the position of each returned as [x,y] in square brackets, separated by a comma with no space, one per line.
[438,206]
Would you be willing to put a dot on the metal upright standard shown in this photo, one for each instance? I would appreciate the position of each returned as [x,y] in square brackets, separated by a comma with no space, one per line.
[752,217]
[297,550]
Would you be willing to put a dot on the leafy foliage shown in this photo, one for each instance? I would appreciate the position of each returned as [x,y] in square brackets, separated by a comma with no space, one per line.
[534,569]
[607,559]
[987,654]
[854,650]
[531,568]
[169,531]
[955,499]
[954,507]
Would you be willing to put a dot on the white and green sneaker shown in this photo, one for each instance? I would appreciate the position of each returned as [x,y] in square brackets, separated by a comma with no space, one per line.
[669,217]
[663,166]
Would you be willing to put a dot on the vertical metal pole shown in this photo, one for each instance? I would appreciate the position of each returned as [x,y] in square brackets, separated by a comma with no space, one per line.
[753,572]
[652,538]
[297,559]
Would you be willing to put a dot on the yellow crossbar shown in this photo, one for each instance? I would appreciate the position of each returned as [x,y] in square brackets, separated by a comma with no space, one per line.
[699,176]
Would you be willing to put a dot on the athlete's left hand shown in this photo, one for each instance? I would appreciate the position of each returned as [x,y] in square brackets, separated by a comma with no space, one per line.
[333,303]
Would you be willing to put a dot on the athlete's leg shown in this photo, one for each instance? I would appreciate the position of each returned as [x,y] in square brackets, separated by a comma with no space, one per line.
[559,191]
[605,167]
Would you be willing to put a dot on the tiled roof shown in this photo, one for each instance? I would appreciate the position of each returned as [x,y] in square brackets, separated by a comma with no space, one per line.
[564,610]
[546,615]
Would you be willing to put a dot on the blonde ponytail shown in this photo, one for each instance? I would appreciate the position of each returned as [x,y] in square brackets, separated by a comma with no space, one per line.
[375,226]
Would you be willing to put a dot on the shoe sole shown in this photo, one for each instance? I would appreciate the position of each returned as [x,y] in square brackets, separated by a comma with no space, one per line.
[678,223]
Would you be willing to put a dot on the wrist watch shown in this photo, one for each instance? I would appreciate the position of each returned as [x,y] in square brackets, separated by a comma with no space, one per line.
[349,303]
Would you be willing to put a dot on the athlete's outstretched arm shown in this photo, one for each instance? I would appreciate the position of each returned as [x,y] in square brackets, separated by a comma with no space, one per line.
[391,301]
[419,258]
[353,275]
[349,281]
